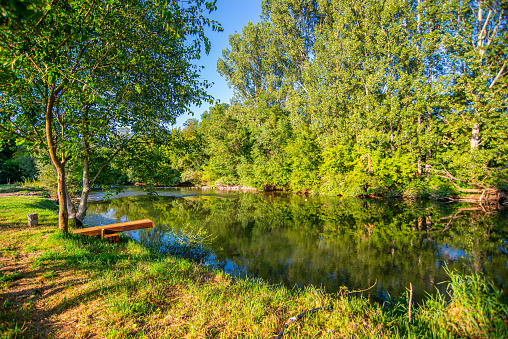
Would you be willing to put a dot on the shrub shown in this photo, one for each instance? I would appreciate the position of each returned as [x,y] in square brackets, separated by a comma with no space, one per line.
[11,171]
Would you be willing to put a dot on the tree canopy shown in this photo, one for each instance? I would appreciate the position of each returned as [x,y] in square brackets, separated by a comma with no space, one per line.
[85,76]
[338,97]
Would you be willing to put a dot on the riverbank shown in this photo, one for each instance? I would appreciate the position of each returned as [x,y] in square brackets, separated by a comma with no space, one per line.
[491,198]
[494,198]
[69,286]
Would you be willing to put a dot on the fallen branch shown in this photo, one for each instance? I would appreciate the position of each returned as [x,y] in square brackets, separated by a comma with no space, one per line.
[452,180]
[359,291]
[298,317]
[410,289]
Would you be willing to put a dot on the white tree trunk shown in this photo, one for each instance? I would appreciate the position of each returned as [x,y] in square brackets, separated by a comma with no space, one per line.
[475,136]
[82,207]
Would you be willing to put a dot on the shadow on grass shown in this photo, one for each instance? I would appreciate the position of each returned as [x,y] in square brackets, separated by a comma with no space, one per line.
[58,280]
[43,204]
[20,307]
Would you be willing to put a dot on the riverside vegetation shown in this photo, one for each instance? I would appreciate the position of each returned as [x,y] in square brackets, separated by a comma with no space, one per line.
[399,97]
[355,98]
[60,285]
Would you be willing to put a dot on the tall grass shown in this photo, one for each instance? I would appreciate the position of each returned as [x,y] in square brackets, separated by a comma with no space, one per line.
[477,308]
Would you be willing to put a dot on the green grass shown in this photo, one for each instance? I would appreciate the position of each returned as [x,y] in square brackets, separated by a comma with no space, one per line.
[14,210]
[126,290]
[29,187]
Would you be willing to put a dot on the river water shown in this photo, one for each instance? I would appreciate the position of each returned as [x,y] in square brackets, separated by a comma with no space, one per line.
[327,242]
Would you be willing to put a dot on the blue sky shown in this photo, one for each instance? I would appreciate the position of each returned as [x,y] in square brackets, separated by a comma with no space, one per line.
[233,15]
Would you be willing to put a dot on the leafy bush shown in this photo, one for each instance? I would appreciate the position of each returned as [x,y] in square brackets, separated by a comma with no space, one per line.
[190,175]
[338,162]
[30,171]
[304,158]
[393,172]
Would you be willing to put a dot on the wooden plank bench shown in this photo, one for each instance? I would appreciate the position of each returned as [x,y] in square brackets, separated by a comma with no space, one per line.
[109,232]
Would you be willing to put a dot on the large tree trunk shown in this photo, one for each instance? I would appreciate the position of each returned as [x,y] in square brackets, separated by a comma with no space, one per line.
[59,165]
[62,200]
[81,213]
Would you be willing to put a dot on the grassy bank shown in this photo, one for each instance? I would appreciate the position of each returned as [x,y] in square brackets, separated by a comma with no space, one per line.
[56,285]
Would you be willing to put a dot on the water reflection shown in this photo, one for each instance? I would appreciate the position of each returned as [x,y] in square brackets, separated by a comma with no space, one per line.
[326,241]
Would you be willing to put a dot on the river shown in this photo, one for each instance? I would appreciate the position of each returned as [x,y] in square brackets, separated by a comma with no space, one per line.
[327,242]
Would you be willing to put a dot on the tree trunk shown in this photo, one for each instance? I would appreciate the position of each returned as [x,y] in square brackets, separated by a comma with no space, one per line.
[80,216]
[419,147]
[71,209]
[82,208]
[62,199]
[392,147]
[475,136]
[63,223]
[427,169]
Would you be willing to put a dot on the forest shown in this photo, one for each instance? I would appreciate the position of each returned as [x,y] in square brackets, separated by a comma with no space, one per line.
[349,98]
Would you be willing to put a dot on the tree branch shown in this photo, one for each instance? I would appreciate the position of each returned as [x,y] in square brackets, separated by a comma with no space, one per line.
[499,74]
[45,15]
[110,158]
[495,29]
[16,133]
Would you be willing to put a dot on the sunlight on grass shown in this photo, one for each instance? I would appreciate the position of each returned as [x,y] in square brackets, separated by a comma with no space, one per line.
[127,290]
[15,210]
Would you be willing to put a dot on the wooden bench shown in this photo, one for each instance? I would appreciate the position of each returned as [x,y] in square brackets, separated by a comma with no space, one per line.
[109,232]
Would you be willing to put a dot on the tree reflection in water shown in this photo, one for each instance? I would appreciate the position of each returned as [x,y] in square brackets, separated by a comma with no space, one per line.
[325,241]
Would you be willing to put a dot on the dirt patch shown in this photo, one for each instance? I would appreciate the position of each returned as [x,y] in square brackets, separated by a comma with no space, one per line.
[39,300]
[21,194]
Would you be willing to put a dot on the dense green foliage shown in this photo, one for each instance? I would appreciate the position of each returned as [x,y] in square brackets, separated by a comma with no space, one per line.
[350,98]
[82,80]
[15,164]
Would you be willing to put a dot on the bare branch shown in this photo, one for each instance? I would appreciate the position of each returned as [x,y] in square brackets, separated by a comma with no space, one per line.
[484,28]
[499,74]
[495,29]
[63,43]
[40,138]
[57,114]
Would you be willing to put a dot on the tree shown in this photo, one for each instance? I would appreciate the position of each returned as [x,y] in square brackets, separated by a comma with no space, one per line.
[89,74]
[477,126]
[254,65]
